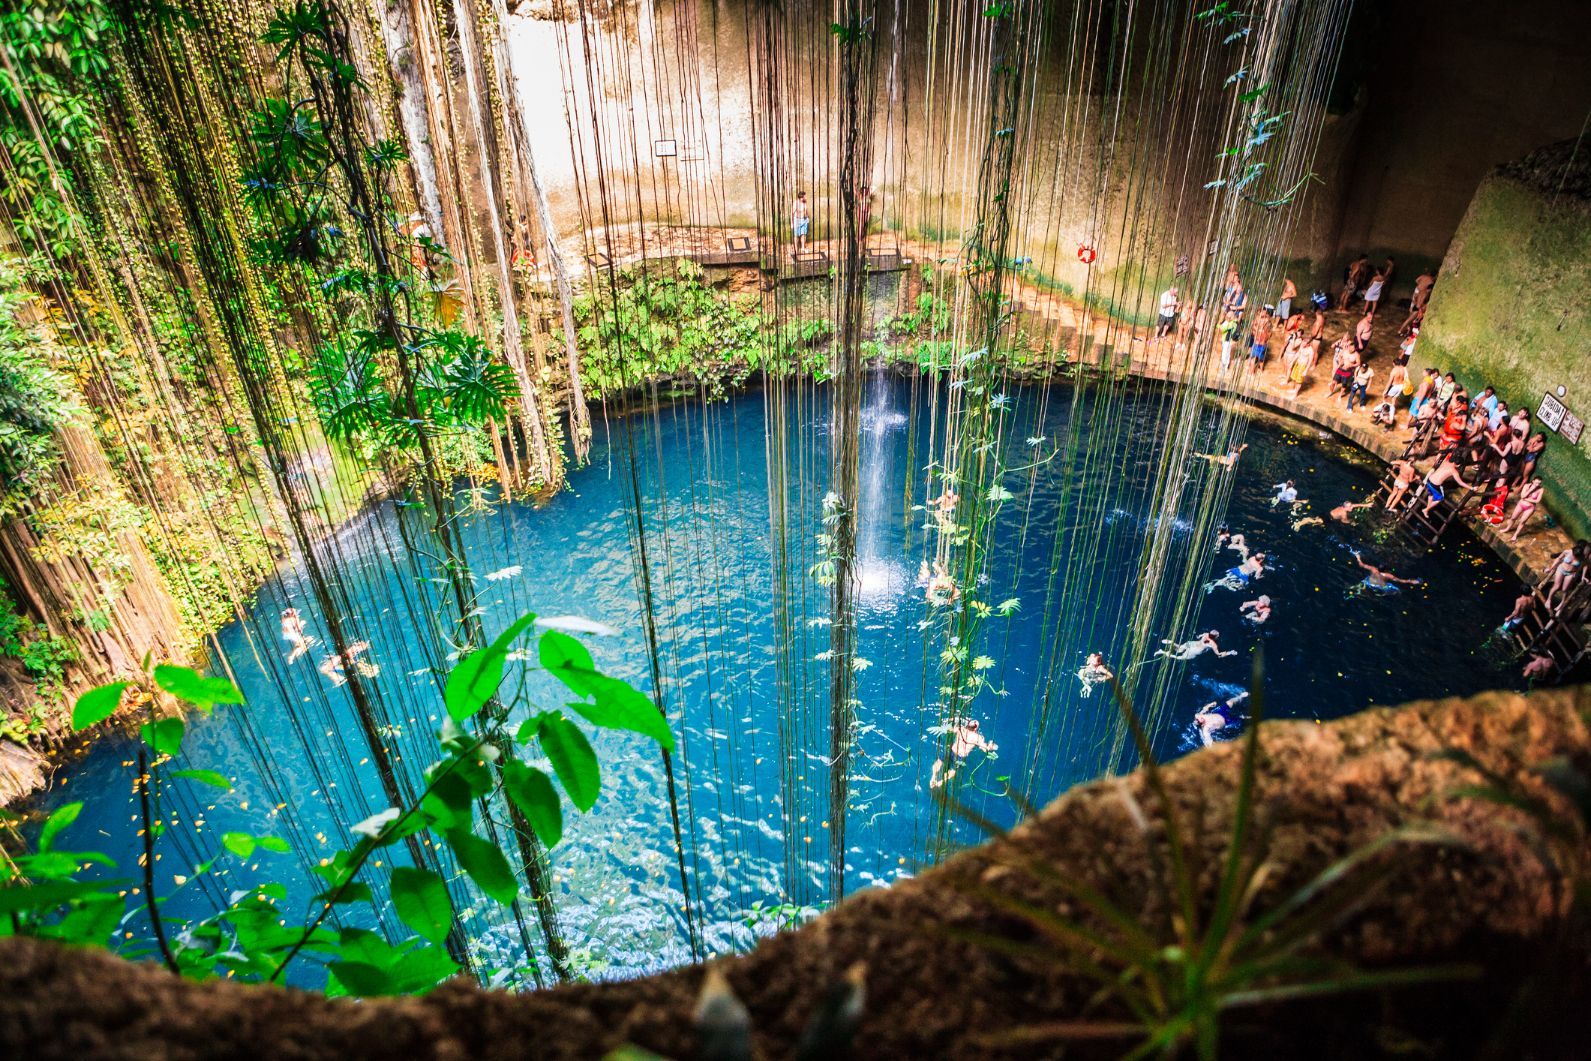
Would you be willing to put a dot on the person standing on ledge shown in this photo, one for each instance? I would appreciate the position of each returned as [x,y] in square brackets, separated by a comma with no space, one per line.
[800,222]
[1284,305]
[1168,312]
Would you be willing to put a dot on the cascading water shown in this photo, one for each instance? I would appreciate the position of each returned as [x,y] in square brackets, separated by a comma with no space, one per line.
[879,574]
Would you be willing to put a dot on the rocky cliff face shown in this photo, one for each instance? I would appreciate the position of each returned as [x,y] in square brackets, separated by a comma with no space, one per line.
[932,990]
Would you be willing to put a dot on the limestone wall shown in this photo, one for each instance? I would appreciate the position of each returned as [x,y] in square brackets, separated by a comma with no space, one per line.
[1512,307]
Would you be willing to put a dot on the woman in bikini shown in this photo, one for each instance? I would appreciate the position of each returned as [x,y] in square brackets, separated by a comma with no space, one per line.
[1525,507]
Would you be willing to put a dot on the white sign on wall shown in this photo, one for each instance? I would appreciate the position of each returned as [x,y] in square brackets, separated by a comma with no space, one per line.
[1551,411]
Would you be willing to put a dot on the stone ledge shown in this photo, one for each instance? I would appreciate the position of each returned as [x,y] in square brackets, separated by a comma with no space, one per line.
[1325,790]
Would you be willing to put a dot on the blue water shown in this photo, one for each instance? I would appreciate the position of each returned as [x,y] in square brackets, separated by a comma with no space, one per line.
[751,717]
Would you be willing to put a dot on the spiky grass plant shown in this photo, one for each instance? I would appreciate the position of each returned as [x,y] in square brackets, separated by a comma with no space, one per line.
[1167,976]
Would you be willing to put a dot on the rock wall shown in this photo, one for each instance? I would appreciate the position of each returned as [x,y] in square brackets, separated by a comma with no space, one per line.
[933,989]
[1510,308]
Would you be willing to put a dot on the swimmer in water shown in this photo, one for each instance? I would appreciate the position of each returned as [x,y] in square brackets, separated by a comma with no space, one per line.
[944,507]
[1094,672]
[1308,521]
[965,741]
[1205,642]
[1228,461]
[1286,494]
[1218,715]
[1343,513]
[293,633]
[1380,580]
[335,665]
[1540,667]
[942,589]
[1257,610]
[1238,544]
[1238,577]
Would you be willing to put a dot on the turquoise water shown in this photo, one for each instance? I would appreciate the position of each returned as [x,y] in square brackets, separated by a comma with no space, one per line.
[751,719]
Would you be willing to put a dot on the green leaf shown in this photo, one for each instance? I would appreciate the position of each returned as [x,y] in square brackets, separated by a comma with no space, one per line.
[163,735]
[476,678]
[206,777]
[60,819]
[361,978]
[98,704]
[567,660]
[485,865]
[421,899]
[532,792]
[189,685]
[50,894]
[621,706]
[240,844]
[572,759]
[450,803]
[273,843]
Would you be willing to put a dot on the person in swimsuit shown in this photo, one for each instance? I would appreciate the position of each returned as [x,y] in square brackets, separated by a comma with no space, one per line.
[1284,305]
[1344,363]
[1343,513]
[1525,507]
[1218,715]
[1406,473]
[1446,471]
[1373,292]
[1208,641]
[1286,494]
[1539,668]
[1379,580]
[1257,610]
[293,633]
[800,224]
[1094,672]
[335,665]
[965,740]
[1238,577]
[1228,461]
[1565,570]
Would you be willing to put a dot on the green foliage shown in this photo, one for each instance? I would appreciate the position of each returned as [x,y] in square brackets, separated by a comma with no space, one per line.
[1168,976]
[254,937]
[35,398]
[55,57]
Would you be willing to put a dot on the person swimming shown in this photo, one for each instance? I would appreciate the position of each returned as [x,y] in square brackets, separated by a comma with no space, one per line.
[1257,610]
[941,587]
[1308,521]
[1286,494]
[1218,715]
[335,665]
[294,634]
[1227,461]
[1379,580]
[1343,513]
[1209,641]
[1236,578]
[965,739]
[1094,672]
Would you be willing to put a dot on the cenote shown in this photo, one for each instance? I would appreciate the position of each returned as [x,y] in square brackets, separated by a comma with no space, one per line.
[749,704]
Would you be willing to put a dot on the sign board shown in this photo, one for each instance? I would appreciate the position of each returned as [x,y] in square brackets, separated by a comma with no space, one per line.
[1570,428]
[665,148]
[1551,411]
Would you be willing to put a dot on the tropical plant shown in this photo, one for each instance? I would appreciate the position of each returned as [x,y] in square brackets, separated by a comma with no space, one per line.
[1166,977]
[46,893]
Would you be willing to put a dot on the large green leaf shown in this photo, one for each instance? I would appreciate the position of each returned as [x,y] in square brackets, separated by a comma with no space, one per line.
[476,678]
[572,759]
[206,777]
[98,704]
[485,864]
[567,660]
[532,792]
[189,685]
[421,899]
[58,820]
[620,705]
[163,735]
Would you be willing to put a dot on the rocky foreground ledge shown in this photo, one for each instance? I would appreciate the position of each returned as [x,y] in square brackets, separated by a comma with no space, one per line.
[1326,790]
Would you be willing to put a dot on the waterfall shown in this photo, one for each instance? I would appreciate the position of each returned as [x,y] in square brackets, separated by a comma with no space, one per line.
[878,574]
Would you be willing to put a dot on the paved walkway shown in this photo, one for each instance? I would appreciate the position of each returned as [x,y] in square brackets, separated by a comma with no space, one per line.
[1162,359]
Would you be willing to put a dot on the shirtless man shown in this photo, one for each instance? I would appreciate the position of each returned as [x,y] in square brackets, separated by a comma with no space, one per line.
[1238,577]
[1228,461]
[800,223]
[1382,580]
[965,740]
[335,665]
[1257,610]
[1093,673]
[1209,641]
[1217,715]
[944,507]
[1343,513]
